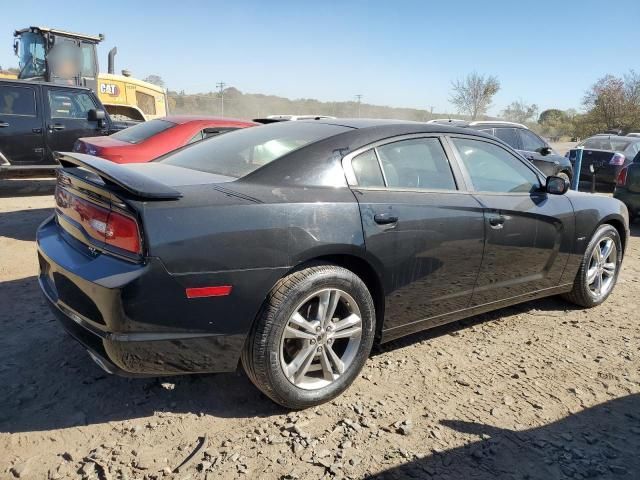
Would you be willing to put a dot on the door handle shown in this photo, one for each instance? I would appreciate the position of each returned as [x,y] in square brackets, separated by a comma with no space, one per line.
[384,218]
[4,124]
[36,130]
[56,126]
[496,221]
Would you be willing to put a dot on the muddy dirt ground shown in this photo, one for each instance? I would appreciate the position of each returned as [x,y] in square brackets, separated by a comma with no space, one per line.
[538,391]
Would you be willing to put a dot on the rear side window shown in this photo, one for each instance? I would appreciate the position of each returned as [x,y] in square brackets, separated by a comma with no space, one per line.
[17,101]
[143,131]
[419,163]
[530,141]
[367,170]
[508,136]
[238,153]
[494,169]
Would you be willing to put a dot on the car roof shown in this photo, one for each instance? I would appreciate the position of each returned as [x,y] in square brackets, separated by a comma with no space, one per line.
[395,127]
[47,84]
[622,138]
[182,119]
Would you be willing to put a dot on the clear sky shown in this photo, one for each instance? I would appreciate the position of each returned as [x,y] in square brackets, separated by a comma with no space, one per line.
[397,53]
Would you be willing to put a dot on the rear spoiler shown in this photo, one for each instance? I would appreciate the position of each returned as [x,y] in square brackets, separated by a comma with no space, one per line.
[114,173]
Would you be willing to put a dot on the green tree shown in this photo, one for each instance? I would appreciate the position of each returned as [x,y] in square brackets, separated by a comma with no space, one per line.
[155,79]
[473,94]
[520,112]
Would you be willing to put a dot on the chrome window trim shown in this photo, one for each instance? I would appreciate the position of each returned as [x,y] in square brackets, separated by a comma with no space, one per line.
[352,181]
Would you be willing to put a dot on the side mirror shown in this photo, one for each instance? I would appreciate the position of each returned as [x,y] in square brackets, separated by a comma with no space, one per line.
[96,115]
[544,151]
[557,185]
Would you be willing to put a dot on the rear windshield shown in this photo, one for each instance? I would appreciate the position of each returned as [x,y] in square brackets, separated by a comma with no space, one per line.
[606,143]
[239,153]
[142,131]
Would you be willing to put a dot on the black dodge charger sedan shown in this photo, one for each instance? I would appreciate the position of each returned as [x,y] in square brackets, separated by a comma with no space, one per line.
[292,247]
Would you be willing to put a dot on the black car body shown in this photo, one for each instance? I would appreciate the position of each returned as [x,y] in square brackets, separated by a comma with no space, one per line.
[530,145]
[604,156]
[627,188]
[205,236]
[38,119]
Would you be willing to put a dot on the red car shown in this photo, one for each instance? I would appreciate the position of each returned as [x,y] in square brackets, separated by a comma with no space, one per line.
[149,140]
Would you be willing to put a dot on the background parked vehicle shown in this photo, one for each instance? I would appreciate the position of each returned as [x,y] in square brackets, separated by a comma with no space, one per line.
[148,140]
[529,144]
[37,119]
[628,187]
[605,156]
[294,245]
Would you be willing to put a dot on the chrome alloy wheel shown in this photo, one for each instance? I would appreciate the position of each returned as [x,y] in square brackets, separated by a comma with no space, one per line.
[602,267]
[321,339]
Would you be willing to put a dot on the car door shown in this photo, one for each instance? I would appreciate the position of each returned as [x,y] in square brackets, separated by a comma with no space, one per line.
[68,118]
[529,233]
[422,229]
[531,148]
[21,129]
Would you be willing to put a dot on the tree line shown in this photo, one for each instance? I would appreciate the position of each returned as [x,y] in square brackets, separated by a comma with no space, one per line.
[611,103]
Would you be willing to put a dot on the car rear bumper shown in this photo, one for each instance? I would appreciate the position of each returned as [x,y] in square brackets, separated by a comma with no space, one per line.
[110,306]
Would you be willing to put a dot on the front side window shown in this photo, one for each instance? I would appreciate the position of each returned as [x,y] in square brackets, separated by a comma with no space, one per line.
[238,153]
[417,163]
[508,136]
[493,169]
[17,101]
[143,131]
[530,141]
[69,104]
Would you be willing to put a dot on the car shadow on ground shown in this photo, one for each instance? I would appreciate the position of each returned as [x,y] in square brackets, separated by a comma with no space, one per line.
[22,224]
[49,382]
[635,228]
[600,442]
[26,187]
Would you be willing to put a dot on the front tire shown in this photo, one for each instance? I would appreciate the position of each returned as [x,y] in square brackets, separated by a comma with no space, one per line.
[599,268]
[312,336]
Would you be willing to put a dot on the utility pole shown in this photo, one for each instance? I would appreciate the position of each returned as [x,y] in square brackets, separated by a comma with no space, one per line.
[220,86]
[359,99]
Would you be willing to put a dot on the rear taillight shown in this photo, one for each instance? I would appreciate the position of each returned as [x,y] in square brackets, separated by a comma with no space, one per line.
[122,232]
[617,159]
[102,224]
[622,177]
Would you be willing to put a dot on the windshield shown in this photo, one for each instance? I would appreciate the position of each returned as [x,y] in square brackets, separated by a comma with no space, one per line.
[31,55]
[142,131]
[239,153]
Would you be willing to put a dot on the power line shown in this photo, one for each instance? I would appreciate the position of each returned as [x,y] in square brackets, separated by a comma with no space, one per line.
[359,99]
[220,86]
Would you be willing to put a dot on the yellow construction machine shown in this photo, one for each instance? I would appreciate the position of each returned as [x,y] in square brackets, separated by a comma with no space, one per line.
[50,55]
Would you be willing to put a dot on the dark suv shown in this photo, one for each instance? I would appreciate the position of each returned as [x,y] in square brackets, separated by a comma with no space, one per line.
[37,119]
[527,143]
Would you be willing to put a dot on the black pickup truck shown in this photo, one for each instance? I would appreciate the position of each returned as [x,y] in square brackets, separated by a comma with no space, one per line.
[38,119]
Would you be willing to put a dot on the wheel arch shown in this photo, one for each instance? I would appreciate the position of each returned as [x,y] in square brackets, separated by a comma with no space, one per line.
[618,224]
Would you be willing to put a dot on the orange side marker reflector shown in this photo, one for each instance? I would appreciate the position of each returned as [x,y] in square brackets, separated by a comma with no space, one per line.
[200,292]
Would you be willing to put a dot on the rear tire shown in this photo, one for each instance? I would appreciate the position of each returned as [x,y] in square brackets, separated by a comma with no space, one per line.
[598,272]
[308,345]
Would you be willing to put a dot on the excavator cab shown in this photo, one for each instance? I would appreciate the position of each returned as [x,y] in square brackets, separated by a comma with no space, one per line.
[50,55]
